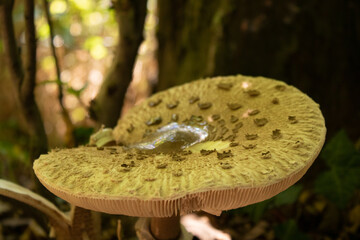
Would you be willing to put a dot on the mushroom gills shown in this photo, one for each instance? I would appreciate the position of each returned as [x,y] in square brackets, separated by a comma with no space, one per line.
[172,137]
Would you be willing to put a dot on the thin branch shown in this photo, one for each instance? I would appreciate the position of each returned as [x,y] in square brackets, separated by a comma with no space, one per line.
[65,113]
[31,111]
[10,44]
[106,107]
[28,86]
[61,222]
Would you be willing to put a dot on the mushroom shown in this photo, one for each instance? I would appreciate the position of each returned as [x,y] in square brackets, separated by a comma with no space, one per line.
[203,160]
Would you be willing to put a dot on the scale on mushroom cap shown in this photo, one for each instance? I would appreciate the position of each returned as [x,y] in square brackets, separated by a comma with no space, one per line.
[213,144]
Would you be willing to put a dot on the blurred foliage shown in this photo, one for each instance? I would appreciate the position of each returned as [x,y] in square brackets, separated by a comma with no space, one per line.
[289,230]
[13,151]
[342,177]
[82,135]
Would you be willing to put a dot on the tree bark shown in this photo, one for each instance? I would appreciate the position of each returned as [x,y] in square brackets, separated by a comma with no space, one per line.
[69,136]
[24,78]
[107,105]
[309,44]
[189,33]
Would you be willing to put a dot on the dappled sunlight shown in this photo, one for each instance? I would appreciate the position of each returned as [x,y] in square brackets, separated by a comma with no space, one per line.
[85,48]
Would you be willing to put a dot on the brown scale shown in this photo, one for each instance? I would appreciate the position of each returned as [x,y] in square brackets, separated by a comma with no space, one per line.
[150,179]
[292,119]
[253,93]
[206,152]
[275,101]
[280,87]
[100,148]
[276,134]
[172,105]
[215,117]
[154,103]
[221,122]
[266,155]
[260,122]
[234,106]
[205,105]
[251,136]
[224,154]
[233,144]
[193,100]
[161,166]
[225,86]
[184,153]
[177,158]
[250,146]
[254,112]
[225,166]
[177,174]
[174,117]
[154,121]
[234,119]
[130,129]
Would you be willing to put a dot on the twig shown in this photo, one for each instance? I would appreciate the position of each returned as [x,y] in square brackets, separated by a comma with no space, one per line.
[65,114]
[58,219]
[27,97]
[106,107]
[8,36]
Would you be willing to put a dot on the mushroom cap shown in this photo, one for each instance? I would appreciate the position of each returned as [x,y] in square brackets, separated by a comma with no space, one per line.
[263,136]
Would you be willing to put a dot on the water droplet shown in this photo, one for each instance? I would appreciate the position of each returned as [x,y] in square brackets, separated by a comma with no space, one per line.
[173,137]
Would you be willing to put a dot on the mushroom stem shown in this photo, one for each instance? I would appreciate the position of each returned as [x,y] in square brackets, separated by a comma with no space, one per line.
[165,228]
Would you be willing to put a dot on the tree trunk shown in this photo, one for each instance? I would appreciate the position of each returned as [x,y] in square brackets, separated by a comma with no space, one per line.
[312,45]
[107,105]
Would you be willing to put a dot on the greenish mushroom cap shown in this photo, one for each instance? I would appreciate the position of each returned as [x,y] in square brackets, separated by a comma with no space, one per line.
[263,135]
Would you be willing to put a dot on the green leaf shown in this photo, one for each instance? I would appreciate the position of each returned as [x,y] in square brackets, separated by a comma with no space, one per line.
[289,231]
[289,196]
[338,184]
[340,151]
[57,81]
[76,92]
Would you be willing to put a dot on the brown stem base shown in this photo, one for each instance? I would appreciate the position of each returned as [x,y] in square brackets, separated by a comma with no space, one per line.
[165,228]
